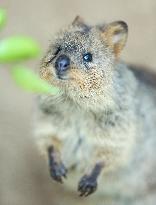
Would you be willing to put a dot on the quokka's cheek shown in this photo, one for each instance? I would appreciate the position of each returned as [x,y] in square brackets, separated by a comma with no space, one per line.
[86,81]
[47,74]
[77,78]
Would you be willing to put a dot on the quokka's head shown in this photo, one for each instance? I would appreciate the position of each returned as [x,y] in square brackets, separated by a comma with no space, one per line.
[80,60]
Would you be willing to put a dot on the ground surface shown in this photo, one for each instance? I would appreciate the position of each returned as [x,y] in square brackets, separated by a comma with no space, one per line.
[24,178]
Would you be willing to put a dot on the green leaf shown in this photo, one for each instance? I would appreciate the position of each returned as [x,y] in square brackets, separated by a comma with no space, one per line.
[18,48]
[3,17]
[29,81]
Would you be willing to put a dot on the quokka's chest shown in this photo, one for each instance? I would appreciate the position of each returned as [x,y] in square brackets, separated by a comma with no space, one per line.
[77,142]
[82,136]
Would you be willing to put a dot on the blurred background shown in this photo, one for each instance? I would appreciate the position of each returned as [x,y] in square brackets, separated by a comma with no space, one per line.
[24,177]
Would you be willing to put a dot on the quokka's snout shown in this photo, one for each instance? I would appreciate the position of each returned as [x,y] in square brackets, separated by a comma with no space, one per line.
[62,64]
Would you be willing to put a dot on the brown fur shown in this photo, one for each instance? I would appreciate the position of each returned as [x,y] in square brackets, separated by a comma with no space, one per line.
[113,30]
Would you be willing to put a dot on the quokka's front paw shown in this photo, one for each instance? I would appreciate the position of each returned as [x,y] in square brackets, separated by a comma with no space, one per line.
[87,185]
[58,171]
[57,168]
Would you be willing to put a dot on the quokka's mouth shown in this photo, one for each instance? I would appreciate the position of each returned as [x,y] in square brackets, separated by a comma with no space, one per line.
[62,77]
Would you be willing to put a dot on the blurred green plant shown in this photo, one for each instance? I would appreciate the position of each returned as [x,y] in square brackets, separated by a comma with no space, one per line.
[3,17]
[30,81]
[16,49]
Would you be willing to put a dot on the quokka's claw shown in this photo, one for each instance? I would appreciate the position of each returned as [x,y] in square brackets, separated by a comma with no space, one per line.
[58,171]
[87,185]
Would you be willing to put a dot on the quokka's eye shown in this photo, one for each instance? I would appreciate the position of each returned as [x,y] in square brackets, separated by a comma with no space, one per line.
[54,55]
[57,51]
[87,57]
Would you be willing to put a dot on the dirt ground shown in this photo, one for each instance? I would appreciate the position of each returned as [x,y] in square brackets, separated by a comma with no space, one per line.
[24,178]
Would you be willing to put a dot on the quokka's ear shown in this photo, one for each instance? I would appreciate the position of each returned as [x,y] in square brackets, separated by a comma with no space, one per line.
[116,35]
[78,21]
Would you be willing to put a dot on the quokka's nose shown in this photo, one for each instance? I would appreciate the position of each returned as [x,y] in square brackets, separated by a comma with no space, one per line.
[62,63]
